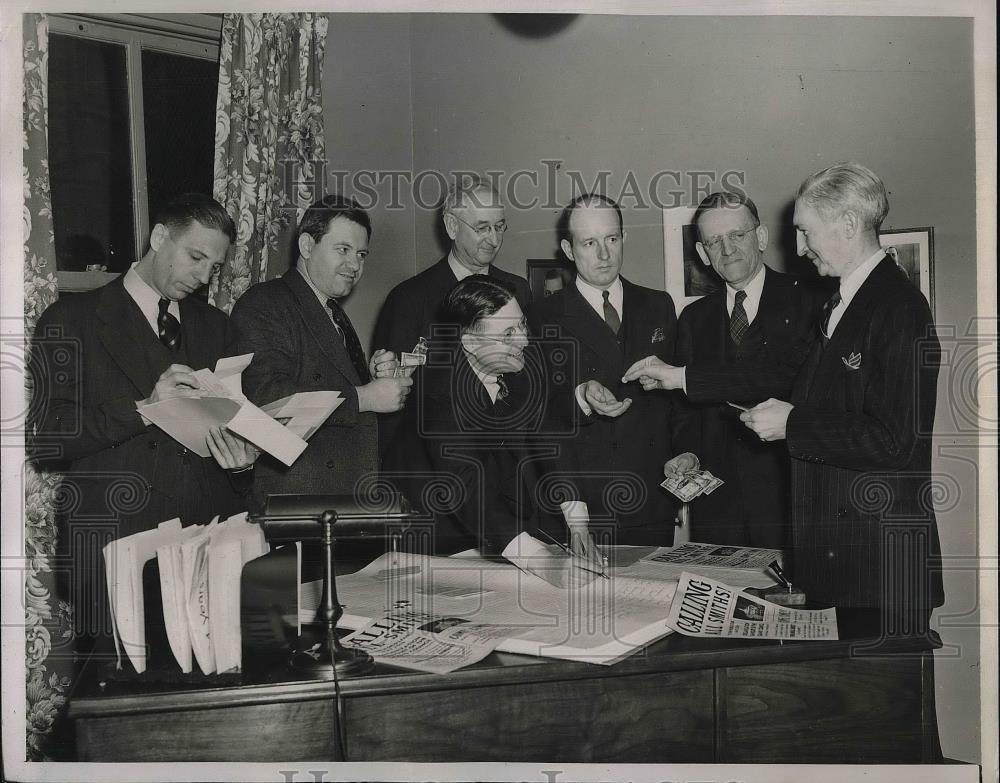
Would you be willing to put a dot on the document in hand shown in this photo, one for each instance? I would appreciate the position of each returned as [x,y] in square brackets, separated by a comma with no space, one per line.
[221,404]
[602,622]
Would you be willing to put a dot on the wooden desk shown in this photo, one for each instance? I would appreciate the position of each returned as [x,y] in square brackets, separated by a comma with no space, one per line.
[680,700]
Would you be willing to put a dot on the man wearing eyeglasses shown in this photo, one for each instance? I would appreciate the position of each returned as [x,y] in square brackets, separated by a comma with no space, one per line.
[740,345]
[474,219]
[621,440]
[467,452]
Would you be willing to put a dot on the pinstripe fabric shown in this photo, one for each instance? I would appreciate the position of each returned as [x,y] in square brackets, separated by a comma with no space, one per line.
[860,439]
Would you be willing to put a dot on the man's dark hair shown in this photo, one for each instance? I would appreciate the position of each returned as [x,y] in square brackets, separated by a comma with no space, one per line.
[181,211]
[725,199]
[316,220]
[474,298]
[587,200]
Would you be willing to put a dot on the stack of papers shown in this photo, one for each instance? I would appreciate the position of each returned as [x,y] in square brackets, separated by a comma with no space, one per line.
[200,568]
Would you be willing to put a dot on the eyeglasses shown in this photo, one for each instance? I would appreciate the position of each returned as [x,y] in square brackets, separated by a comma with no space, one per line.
[734,237]
[483,229]
[507,336]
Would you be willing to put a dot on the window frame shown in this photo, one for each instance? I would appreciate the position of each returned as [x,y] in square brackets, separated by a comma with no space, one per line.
[190,35]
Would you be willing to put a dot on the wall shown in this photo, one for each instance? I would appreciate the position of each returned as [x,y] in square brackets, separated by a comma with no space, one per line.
[773,98]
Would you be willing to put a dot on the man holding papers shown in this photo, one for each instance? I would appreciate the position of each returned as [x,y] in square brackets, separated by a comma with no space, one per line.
[302,340]
[468,453]
[95,357]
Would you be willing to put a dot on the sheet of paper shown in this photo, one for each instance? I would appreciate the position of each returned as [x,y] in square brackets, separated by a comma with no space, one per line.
[305,412]
[600,622]
[229,372]
[264,432]
[707,608]
[188,419]
[124,560]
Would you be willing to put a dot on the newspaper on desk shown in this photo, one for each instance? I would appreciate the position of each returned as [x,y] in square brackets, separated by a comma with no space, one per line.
[708,608]
[426,642]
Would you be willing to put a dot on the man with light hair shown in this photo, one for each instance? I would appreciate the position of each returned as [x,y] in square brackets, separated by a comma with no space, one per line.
[475,222]
[859,422]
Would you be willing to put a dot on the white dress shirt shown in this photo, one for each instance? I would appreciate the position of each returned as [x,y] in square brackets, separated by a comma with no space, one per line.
[849,288]
[595,298]
[148,299]
[753,291]
[462,272]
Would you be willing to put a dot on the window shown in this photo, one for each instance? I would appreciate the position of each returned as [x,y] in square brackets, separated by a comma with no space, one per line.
[131,123]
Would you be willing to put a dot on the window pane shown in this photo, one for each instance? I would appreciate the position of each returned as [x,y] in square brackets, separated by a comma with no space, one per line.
[89,154]
[179,106]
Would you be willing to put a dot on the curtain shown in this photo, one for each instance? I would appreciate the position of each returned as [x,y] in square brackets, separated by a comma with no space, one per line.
[268,136]
[47,619]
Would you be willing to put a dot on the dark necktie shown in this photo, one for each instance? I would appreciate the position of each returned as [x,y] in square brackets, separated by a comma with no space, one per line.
[828,309]
[168,327]
[504,390]
[611,315]
[738,323]
[351,341]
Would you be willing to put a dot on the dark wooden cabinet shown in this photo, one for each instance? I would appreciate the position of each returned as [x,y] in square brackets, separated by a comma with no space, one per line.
[679,701]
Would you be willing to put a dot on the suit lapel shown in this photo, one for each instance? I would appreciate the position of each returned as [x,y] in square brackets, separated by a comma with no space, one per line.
[318,323]
[583,322]
[115,331]
[193,327]
[850,330]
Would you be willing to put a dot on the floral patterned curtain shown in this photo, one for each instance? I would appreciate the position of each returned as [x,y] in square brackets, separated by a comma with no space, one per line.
[268,136]
[47,621]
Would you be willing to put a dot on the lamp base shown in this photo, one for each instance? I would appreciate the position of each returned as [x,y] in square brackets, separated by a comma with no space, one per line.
[315,662]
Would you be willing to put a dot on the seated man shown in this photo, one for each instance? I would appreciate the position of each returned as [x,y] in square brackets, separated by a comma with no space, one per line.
[467,455]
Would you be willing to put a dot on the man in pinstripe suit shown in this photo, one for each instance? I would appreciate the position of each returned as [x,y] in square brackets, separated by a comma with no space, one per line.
[858,426]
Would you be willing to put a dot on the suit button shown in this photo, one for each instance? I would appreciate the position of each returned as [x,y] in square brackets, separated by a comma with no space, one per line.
[765,341]
[316,376]
[831,554]
[153,444]
[330,463]
[841,512]
[786,320]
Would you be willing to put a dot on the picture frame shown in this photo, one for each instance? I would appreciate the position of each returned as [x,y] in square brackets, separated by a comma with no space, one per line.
[913,251]
[686,277]
[548,275]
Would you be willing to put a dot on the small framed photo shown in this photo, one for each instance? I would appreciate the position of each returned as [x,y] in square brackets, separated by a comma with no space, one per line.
[548,275]
[688,278]
[913,251]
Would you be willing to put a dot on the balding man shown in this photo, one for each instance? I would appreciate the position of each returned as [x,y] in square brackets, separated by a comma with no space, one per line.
[858,426]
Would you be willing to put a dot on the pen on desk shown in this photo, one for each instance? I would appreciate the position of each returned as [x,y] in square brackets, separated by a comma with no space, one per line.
[779,574]
[568,551]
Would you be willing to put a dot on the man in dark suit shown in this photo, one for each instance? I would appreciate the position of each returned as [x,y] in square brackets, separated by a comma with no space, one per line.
[96,356]
[469,453]
[743,344]
[858,427]
[302,340]
[615,455]
[474,219]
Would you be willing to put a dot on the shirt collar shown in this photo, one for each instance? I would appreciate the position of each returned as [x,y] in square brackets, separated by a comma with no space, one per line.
[147,297]
[319,294]
[850,285]
[595,296]
[460,271]
[753,290]
[489,380]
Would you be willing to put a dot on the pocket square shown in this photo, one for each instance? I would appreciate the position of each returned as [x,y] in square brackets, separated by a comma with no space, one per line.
[852,362]
[658,335]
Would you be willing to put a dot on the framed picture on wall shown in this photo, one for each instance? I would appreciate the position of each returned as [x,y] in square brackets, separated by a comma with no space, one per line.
[913,251]
[548,275]
[687,277]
